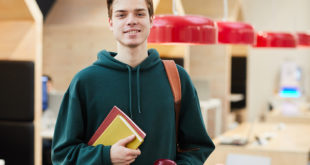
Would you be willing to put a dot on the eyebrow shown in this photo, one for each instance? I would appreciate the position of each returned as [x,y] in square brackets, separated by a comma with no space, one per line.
[136,10]
[120,11]
[142,9]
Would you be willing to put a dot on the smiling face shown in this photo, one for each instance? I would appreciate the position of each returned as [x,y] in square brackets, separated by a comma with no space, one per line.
[130,22]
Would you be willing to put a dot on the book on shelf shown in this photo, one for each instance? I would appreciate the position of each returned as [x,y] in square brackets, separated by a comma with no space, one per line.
[116,126]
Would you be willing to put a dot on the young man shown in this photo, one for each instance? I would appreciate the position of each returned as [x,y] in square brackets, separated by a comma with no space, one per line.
[134,79]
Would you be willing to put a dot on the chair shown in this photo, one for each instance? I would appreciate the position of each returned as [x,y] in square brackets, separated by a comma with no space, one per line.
[17,112]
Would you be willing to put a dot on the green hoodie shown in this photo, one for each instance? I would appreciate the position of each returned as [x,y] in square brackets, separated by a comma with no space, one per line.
[144,94]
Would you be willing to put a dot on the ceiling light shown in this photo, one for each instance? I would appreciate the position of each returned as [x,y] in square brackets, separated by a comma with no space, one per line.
[190,29]
[276,39]
[235,33]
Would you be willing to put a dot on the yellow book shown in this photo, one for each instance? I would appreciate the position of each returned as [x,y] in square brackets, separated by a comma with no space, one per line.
[118,129]
[116,126]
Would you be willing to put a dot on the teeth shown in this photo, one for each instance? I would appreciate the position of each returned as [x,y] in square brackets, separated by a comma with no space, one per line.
[133,32]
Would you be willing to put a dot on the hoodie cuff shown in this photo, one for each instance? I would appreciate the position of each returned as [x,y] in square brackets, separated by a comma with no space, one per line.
[107,156]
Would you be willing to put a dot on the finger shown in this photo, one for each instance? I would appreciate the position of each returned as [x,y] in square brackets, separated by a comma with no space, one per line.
[136,152]
[126,140]
[132,156]
[129,158]
[130,152]
[131,161]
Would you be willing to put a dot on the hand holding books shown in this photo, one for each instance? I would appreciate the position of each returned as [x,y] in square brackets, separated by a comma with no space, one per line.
[120,154]
[116,126]
[120,132]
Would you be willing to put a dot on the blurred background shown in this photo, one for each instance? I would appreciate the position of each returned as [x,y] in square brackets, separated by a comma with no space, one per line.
[252,78]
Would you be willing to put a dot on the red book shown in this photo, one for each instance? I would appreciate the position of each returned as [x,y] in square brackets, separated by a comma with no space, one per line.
[114,114]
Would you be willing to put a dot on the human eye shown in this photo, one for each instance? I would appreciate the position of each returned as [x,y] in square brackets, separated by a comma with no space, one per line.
[140,14]
[120,15]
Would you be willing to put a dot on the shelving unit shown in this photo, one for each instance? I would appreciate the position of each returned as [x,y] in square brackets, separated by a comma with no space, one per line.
[21,39]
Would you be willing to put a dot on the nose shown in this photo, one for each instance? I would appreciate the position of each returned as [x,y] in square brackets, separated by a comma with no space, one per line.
[132,20]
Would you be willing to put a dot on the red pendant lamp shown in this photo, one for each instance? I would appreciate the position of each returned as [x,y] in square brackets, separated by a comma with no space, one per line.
[276,40]
[176,29]
[235,33]
[303,39]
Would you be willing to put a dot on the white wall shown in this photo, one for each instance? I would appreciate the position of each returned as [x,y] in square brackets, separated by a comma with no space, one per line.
[263,69]
[278,15]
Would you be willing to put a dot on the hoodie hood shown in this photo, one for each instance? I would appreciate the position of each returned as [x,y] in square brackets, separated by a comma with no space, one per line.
[106,59]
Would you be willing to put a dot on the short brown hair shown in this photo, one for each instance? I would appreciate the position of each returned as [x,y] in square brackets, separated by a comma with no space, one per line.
[149,4]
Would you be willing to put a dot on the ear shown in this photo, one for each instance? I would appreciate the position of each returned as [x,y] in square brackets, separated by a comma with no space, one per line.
[110,24]
[151,20]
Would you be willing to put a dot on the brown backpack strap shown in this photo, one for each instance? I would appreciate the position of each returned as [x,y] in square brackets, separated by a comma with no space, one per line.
[175,84]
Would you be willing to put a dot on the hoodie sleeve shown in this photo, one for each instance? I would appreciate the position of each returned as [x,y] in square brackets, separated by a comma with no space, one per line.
[193,137]
[69,145]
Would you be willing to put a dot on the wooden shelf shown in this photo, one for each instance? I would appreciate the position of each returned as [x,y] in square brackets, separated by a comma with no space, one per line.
[78,12]
[13,33]
[170,51]
[21,39]
[15,9]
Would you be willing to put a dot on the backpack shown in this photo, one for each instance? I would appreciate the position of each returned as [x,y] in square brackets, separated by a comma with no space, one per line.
[175,84]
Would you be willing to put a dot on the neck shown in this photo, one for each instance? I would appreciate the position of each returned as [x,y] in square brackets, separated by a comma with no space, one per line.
[132,56]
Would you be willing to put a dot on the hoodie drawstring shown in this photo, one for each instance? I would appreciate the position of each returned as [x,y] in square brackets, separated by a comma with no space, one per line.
[138,88]
[130,90]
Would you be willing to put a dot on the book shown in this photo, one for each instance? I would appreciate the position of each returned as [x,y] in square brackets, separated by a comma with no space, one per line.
[116,126]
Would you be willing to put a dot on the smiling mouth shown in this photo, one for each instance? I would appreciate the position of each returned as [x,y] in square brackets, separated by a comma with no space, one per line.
[132,31]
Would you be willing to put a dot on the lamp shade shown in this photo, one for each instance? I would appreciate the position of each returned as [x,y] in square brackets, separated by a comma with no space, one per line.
[276,39]
[235,33]
[303,39]
[174,29]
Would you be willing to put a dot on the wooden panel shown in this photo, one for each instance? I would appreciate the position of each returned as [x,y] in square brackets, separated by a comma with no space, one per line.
[170,51]
[12,34]
[17,40]
[14,9]
[75,31]
[239,50]
[68,49]
[78,12]
[212,63]
[166,7]
[26,49]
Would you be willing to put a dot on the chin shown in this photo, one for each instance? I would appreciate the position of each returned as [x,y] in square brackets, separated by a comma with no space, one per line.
[132,44]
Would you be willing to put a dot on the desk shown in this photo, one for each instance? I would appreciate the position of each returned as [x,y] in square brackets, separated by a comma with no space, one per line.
[47,133]
[276,116]
[290,146]
[48,123]
[212,105]
[49,116]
